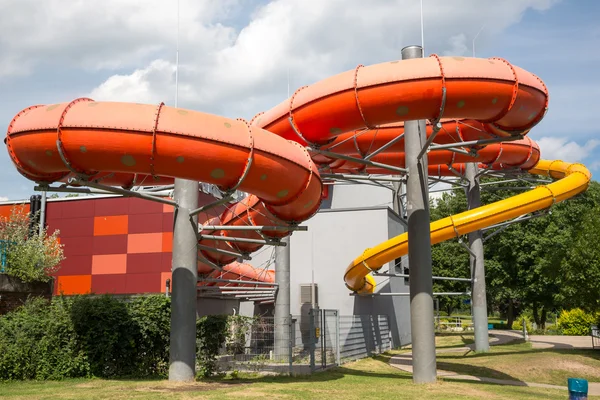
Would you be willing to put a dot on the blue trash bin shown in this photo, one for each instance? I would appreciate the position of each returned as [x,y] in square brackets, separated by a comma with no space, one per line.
[578,389]
[490,326]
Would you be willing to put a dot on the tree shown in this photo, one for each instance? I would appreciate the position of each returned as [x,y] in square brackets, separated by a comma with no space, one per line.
[539,264]
[449,258]
[30,255]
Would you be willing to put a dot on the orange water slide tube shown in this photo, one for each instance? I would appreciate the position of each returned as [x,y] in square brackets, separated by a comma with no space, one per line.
[505,98]
[130,144]
[491,97]
[114,142]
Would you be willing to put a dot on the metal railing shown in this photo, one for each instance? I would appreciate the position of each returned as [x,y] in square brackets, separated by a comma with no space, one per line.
[318,339]
[4,245]
[595,333]
[452,324]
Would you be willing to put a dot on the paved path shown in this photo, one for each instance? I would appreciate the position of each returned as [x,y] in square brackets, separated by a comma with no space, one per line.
[498,337]
[560,342]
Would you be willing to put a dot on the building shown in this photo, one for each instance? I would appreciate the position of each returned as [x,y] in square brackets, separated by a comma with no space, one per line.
[122,245]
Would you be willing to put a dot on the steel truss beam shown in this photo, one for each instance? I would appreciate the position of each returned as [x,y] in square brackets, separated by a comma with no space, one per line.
[241,240]
[384,147]
[441,278]
[123,192]
[208,206]
[479,142]
[408,294]
[242,282]
[504,225]
[251,228]
[225,252]
[369,177]
[358,160]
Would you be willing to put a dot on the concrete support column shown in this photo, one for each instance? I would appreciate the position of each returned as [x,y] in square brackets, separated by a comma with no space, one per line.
[478,297]
[43,213]
[282,301]
[419,247]
[182,362]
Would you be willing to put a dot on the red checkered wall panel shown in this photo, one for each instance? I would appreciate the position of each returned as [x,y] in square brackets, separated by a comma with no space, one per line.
[113,245]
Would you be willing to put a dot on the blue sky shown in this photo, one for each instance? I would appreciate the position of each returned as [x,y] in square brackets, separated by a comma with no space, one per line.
[235,55]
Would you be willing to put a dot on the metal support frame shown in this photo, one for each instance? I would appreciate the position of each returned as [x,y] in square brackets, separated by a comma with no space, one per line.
[436,128]
[385,146]
[123,192]
[358,160]
[282,302]
[224,252]
[237,281]
[42,225]
[208,206]
[369,177]
[480,142]
[440,278]
[478,298]
[440,180]
[504,225]
[494,188]
[419,246]
[467,248]
[182,348]
[241,240]
[408,294]
[251,228]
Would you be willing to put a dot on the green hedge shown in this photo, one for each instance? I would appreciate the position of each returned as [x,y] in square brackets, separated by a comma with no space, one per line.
[576,322]
[104,336]
[85,336]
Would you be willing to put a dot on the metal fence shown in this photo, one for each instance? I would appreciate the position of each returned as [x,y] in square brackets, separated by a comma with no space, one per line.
[364,335]
[3,252]
[318,339]
[595,333]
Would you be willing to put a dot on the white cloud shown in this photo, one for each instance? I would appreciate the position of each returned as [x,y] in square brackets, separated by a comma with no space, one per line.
[553,148]
[234,55]
[3,198]
[240,73]
[102,34]
[458,45]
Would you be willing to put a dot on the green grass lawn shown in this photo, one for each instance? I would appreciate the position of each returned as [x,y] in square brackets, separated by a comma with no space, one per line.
[521,362]
[369,378]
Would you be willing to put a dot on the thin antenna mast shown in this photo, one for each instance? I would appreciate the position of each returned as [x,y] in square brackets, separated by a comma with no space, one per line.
[422,31]
[177,60]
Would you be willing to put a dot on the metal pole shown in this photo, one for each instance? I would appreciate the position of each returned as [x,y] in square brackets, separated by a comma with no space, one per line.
[43,213]
[419,247]
[183,291]
[182,350]
[478,297]
[282,301]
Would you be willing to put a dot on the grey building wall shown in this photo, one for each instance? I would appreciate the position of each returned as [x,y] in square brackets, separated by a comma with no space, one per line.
[353,218]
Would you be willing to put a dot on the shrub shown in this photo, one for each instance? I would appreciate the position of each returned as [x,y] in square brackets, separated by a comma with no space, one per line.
[104,336]
[29,256]
[38,341]
[85,335]
[518,323]
[576,322]
[211,333]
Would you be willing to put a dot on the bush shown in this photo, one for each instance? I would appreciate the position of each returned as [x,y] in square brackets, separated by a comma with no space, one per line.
[38,341]
[85,336]
[576,322]
[211,333]
[103,336]
[518,323]
[30,256]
